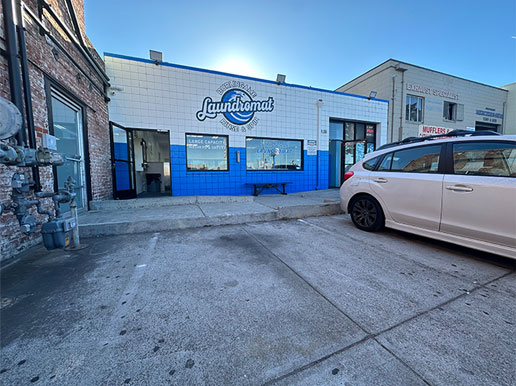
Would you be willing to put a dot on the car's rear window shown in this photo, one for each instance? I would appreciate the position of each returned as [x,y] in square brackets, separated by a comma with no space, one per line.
[485,159]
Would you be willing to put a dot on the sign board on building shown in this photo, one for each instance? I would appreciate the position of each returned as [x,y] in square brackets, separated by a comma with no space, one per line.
[489,115]
[238,105]
[311,147]
[432,91]
[426,130]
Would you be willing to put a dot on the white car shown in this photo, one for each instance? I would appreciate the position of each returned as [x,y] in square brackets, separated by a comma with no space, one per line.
[460,189]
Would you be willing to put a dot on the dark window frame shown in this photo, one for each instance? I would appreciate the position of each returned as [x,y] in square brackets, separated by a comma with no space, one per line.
[207,135]
[441,168]
[278,170]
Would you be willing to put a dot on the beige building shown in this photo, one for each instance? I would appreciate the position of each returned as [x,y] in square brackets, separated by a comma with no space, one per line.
[425,102]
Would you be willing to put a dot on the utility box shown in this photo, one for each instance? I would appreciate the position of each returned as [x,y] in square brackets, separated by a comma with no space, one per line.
[49,141]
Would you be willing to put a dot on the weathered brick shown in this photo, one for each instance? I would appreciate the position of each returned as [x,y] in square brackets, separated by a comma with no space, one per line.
[41,64]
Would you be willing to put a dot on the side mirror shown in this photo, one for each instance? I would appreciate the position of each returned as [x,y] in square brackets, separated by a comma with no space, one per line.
[10,119]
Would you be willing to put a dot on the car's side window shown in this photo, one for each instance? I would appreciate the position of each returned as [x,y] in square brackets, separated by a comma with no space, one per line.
[424,159]
[369,165]
[485,159]
[386,163]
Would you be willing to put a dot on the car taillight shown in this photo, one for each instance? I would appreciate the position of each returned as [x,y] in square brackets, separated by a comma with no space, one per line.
[348,175]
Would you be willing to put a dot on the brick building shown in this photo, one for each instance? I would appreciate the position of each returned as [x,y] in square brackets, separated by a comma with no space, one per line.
[67,89]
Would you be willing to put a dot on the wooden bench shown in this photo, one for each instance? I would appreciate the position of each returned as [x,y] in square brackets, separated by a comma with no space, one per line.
[261,186]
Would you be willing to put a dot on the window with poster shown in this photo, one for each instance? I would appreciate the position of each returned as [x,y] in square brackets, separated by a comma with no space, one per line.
[206,152]
[349,143]
[274,154]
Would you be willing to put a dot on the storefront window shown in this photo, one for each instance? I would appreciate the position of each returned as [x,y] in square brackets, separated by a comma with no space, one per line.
[206,152]
[274,154]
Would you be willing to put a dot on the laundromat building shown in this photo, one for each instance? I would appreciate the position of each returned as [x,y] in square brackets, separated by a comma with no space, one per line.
[178,130]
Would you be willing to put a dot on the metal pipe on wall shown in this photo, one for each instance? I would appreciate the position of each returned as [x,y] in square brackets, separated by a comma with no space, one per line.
[402,70]
[391,139]
[14,70]
[318,104]
[27,90]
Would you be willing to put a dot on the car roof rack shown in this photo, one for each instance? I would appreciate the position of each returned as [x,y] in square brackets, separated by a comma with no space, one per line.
[453,133]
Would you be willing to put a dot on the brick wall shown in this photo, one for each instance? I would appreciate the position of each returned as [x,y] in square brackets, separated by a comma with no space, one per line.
[43,65]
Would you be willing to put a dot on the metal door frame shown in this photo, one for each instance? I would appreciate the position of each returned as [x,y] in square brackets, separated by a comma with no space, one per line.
[56,91]
[129,193]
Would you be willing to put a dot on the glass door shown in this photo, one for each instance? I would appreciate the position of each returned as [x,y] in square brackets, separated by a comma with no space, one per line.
[349,143]
[122,162]
[67,128]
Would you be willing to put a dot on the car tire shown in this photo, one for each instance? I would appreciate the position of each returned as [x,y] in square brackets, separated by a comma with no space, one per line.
[366,213]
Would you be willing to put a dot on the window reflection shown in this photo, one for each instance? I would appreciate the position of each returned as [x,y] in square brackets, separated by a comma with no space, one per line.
[274,154]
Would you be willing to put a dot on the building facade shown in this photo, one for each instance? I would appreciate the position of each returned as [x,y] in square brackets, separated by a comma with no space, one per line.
[57,80]
[426,102]
[510,116]
[227,132]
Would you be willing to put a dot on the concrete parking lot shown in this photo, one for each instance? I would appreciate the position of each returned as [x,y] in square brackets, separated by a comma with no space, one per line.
[299,302]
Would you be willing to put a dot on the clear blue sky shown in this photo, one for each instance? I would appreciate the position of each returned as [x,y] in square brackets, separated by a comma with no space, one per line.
[316,43]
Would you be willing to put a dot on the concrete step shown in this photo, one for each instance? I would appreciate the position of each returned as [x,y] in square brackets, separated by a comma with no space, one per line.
[143,220]
[154,202]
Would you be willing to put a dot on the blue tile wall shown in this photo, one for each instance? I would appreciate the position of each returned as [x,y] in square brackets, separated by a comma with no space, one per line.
[122,168]
[233,182]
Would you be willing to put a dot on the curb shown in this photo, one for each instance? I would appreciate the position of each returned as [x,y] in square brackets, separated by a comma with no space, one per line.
[282,213]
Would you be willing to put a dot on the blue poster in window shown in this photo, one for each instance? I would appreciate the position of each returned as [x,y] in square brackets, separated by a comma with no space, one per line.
[274,154]
[206,152]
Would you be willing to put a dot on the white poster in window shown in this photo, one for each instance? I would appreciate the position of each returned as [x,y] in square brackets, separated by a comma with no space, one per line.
[427,130]
[311,147]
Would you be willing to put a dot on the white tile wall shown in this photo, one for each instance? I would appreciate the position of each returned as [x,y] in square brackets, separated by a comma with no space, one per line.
[166,97]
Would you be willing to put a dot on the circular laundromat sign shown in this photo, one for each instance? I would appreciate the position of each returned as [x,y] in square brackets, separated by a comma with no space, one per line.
[236,105]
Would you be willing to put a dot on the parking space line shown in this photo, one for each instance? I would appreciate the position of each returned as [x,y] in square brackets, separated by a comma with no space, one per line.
[116,323]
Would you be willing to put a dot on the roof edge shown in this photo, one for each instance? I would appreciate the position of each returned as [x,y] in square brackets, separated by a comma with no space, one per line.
[424,68]
[119,56]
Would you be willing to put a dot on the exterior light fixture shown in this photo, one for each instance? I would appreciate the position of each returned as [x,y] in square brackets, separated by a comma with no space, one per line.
[280,78]
[372,94]
[156,56]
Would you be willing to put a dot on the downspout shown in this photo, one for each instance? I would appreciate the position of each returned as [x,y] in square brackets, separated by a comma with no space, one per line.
[26,90]
[503,119]
[402,70]
[318,105]
[392,109]
[14,70]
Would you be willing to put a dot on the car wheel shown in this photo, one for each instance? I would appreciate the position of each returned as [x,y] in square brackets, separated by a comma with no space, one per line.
[366,213]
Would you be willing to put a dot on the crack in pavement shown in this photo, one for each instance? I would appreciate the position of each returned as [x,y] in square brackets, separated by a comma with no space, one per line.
[369,335]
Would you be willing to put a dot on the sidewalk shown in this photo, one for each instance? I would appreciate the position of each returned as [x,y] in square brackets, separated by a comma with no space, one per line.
[142,215]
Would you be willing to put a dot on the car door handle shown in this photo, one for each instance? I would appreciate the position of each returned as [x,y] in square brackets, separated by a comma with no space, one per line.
[459,188]
[380,180]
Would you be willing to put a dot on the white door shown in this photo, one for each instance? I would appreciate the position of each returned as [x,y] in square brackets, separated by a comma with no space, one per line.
[410,185]
[479,199]
[67,128]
